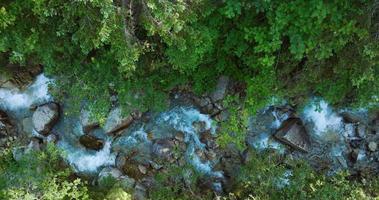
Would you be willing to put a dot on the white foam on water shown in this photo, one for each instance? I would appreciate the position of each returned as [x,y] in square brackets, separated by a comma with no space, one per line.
[37,93]
[182,119]
[279,119]
[323,119]
[264,141]
[88,161]
[137,137]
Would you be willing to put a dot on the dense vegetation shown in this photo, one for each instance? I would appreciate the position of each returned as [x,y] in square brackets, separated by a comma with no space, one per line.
[143,49]
[38,175]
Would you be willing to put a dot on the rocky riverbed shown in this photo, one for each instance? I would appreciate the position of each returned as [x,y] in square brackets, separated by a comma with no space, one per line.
[133,148]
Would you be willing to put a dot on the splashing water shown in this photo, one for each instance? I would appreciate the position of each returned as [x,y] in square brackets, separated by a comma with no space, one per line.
[324,119]
[88,161]
[182,119]
[37,93]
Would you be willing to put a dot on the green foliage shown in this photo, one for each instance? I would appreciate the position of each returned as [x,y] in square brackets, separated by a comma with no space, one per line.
[118,194]
[263,178]
[178,183]
[146,48]
[38,175]
[234,129]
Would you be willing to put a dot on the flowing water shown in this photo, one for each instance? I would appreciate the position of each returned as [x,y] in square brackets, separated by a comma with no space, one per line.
[324,125]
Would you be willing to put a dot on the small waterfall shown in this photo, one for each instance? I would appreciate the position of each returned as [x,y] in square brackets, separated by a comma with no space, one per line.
[83,160]
[37,93]
[325,122]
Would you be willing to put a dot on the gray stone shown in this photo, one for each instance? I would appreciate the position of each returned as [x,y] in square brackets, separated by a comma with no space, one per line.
[116,122]
[372,146]
[342,161]
[87,122]
[27,125]
[142,169]
[361,131]
[126,182]
[34,145]
[45,117]
[293,133]
[221,89]
[109,172]
[18,153]
[163,148]
[349,117]
[200,126]
[52,138]
[140,192]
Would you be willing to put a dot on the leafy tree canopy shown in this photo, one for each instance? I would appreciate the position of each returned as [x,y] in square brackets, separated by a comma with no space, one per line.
[142,49]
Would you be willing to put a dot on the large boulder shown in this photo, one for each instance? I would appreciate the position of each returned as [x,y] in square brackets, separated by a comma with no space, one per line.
[109,172]
[45,117]
[293,133]
[116,122]
[18,77]
[219,93]
[91,142]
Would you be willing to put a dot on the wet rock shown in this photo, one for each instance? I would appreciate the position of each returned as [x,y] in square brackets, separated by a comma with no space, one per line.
[116,122]
[372,146]
[129,166]
[7,129]
[200,126]
[179,136]
[349,117]
[357,155]
[202,102]
[155,165]
[27,125]
[91,142]
[163,148]
[45,117]
[140,192]
[34,145]
[222,116]
[361,131]
[18,77]
[142,169]
[18,153]
[127,183]
[87,122]
[148,182]
[52,138]
[109,172]
[219,93]
[342,161]
[293,133]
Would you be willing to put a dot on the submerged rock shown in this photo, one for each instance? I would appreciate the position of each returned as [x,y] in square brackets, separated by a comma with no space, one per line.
[91,142]
[45,117]
[293,133]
